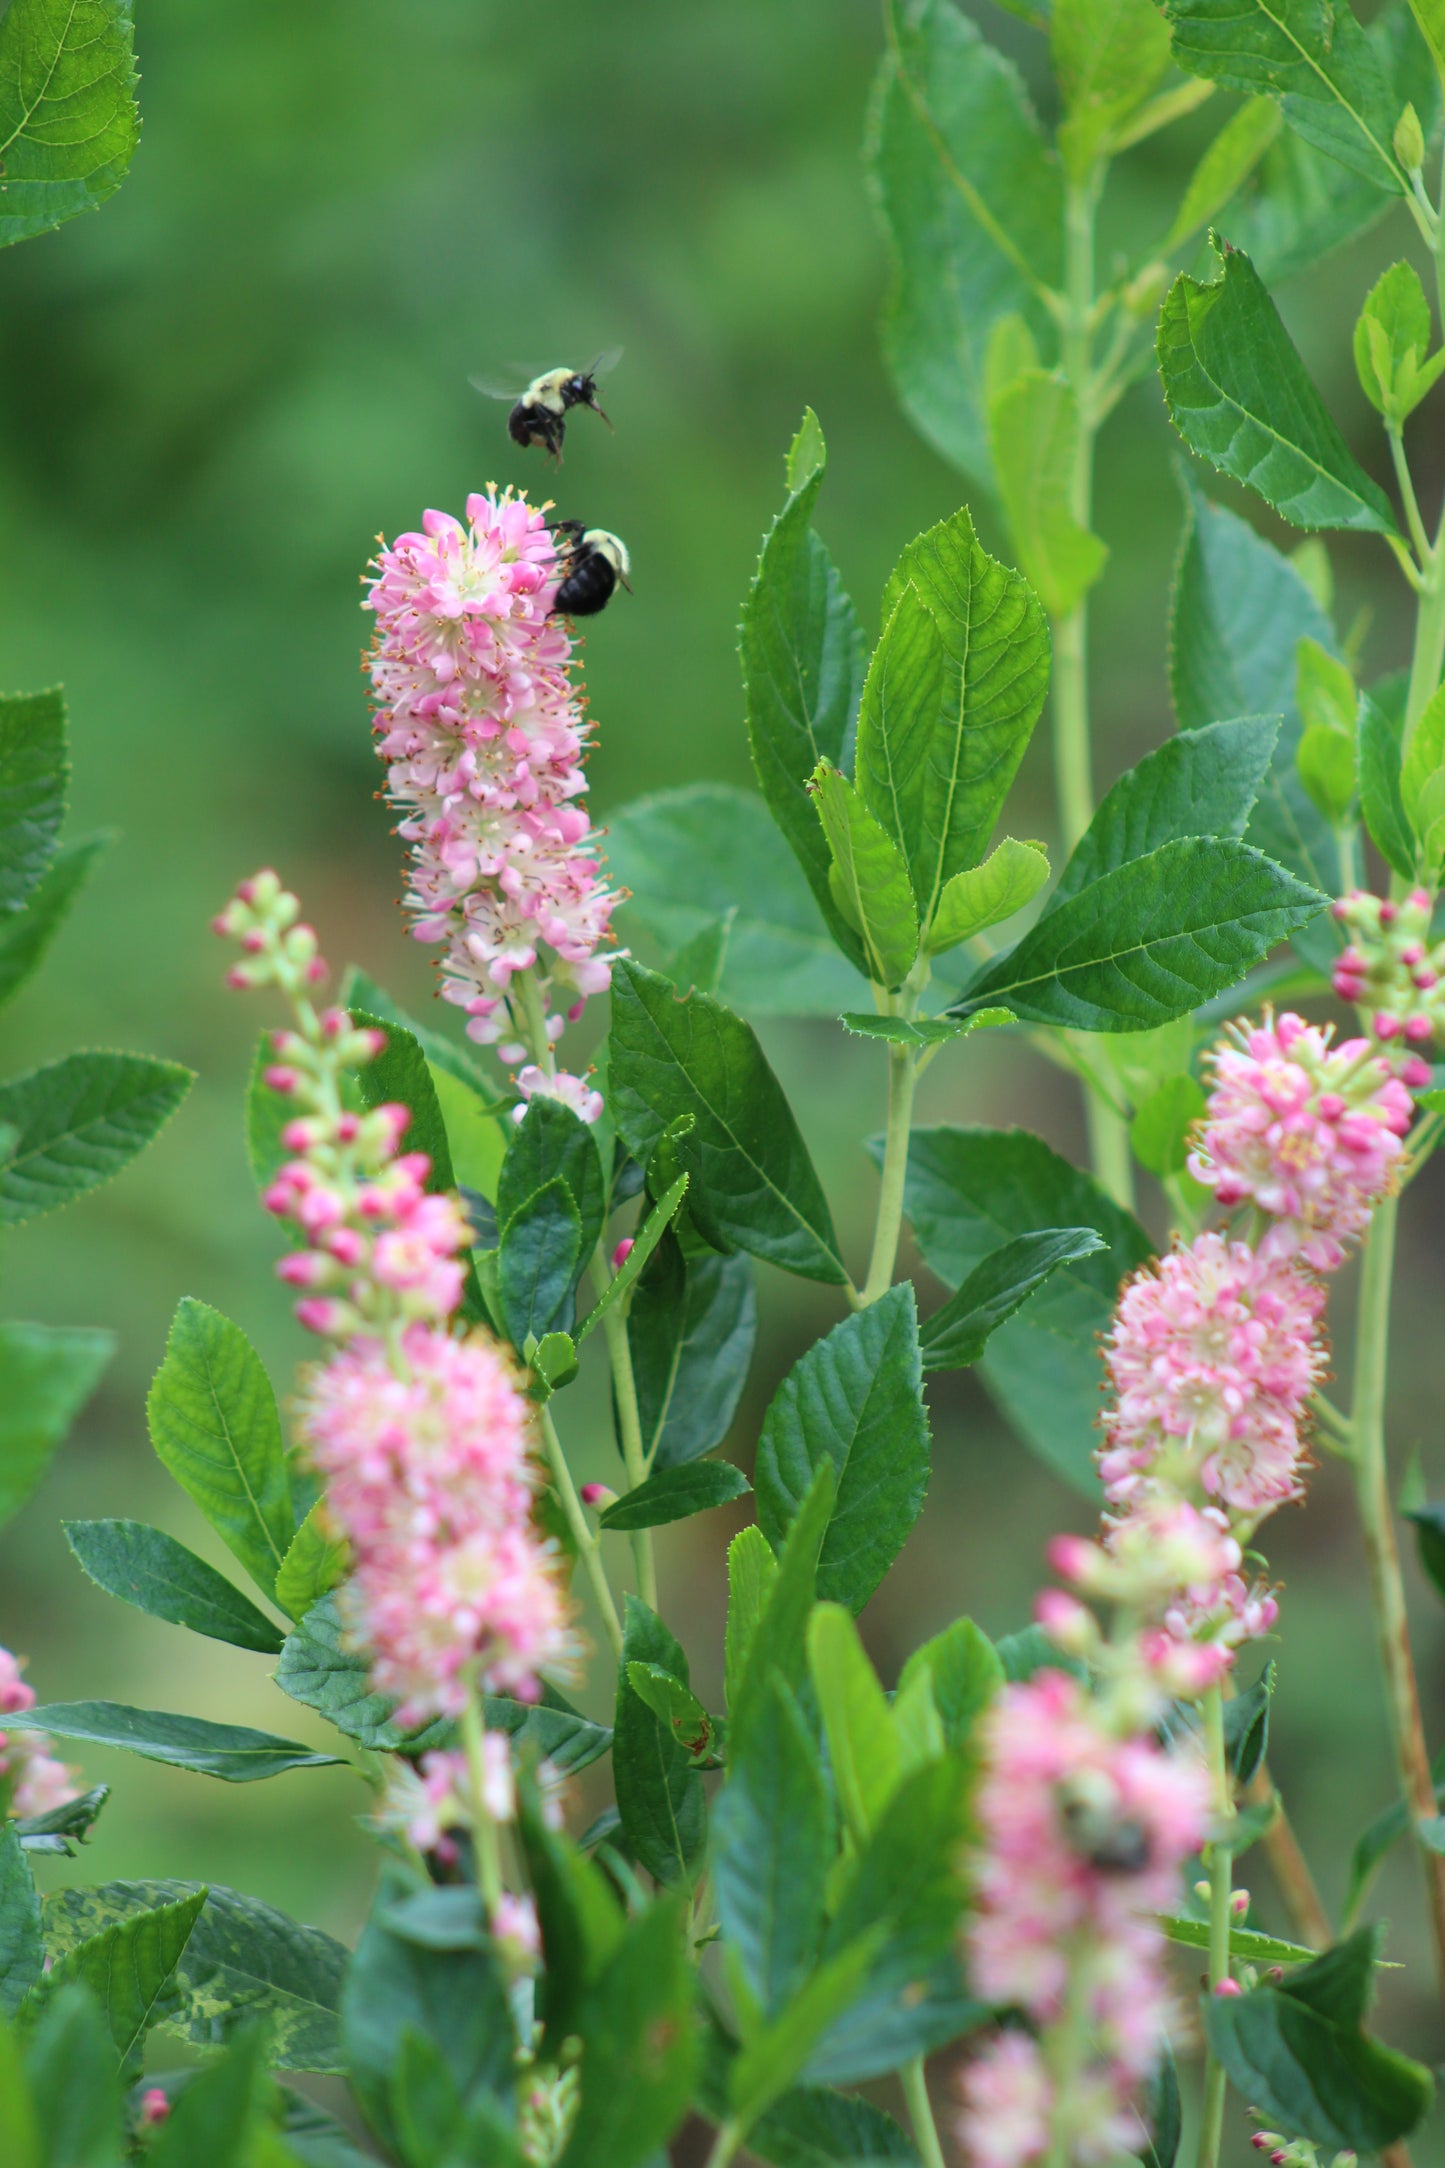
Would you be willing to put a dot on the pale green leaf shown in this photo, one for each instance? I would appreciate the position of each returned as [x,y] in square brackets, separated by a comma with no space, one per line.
[867,877]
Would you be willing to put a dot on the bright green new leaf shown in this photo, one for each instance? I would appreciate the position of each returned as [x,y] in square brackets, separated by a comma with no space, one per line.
[1392,338]
[707,853]
[316,1561]
[214,1426]
[22,1946]
[639,2044]
[867,878]
[1108,55]
[34,763]
[1149,940]
[1033,433]
[47,1373]
[1324,689]
[956,1336]
[649,1234]
[854,1400]
[1299,2051]
[772,1638]
[802,654]
[862,1744]
[922,1031]
[772,1845]
[1223,168]
[68,118]
[242,1959]
[1244,1944]
[953,691]
[25,937]
[149,1569]
[1159,1132]
[1240,396]
[129,1966]
[230,1751]
[80,1120]
[776,2055]
[677,1707]
[753,1184]
[973,203]
[1326,762]
[964,1673]
[673,1494]
[1424,757]
[1316,60]
[752,1570]
[985,895]
[659,1793]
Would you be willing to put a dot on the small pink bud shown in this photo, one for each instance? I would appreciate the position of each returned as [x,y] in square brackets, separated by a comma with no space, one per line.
[1331,1106]
[1278,2158]
[1389,912]
[1419,898]
[316,970]
[154,2107]
[1261,2141]
[1418,1029]
[1386,1026]
[622,1252]
[596,1494]
[322,1314]
[1411,954]
[1415,1073]
[1228,1987]
[278,1079]
[238,978]
[1239,1903]
[348,1128]
[1340,908]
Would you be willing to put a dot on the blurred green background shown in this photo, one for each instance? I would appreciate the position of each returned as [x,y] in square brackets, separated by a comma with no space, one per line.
[212,397]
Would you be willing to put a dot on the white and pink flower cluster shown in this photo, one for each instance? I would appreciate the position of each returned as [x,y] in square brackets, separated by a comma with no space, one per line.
[1084,1832]
[1392,971]
[484,737]
[32,1781]
[423,1433]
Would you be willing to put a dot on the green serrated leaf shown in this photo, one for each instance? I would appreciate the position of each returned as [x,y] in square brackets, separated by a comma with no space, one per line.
[316,1560]
[753,1184]
[1033,428]
[774,1603]
[863,1746]
[674,1494]
[752,1571]
[25,937]
[639,2044]
[541,1262]
[772,1843]
[964,1673]
[691,1329]
[230,1751]
[1240,396]
[984,895]
[68,118]
[956,1336]
[855,1400]
[214,1427]
[22,1945]
[867,878]
[659,1794]
[922,1031]
[129,1966]
[1108,55]
[47,1373]
[651,1231]
[79,1121]
[147,1568]
[954,689]
[1159,1133]
[34,763]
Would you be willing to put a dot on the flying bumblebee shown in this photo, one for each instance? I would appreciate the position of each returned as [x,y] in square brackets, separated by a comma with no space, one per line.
[593,561]
[539,414]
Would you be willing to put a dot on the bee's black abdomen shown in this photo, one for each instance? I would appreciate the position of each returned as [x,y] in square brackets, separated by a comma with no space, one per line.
[588,588]
[531,423]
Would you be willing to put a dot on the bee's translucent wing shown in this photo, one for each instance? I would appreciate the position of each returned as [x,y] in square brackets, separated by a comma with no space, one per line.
[498,387]
[606,362]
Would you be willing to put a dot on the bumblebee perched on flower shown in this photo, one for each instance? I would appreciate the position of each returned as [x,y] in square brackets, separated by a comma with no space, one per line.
[539,414]
[592,562]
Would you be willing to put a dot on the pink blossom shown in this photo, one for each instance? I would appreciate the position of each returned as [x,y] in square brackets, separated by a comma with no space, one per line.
[1307,1131]
[32,1781]
[1007,2098]
[1212,1358]
[516,1932]
[484,737]
[155,2107]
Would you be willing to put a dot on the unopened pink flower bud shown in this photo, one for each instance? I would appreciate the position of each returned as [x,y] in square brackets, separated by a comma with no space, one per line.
[1419,1028]
[325,1315]
[279,1079]
[1415,1073]
[1239,1903]
[597,1495]
[1388,913]
[154,2107]
[1227,1987]
[622,1252]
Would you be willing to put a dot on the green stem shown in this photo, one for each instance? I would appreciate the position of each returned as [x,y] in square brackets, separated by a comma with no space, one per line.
[582,1535]
[624,1385]
[1377,1524]
[914,2079]
[725,2144]
[1413,520]
[533,1023]
[484,1829]
[889,1224]
[1221,1864]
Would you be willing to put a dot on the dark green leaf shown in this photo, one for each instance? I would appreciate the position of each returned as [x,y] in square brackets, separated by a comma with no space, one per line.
[214,1426]
[1240,397]
[1151,940]
[953,691]
[639,2045]
[1316,61]
[80,1120]
[1201,782]
[456,1999]
[923,1030]
[230,1751]
[957,1335]
[802,654]
[215,2118]
[675,1493]
[542,1260]
[316,2139]
[706,853]
[34,765]
[68,118]
[1380,799]
[1240,612]
[25,937]
[129,1966]
[970,1190]
[769,1604]
[774,2057]
[965,1673]
[1246,1727]
[75,1818]
[578,1911]
[1298,2051]
[47,1373]
[659,1794]
[1429,1521]
[856,1400]
[691,1328]
[973,203]
[147,1568]
[753,1184]
[552,1143]
[1244,1944]
[22,1947]
[812,2128]
[70,2063]
[868,878]
[315,1562]
[243,1959]
[362,994]
[772,1846]
[317,1669]
[1163,2115]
